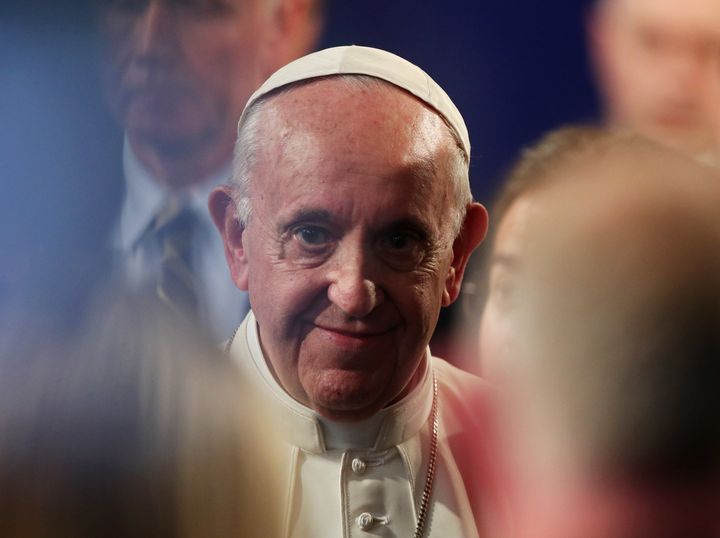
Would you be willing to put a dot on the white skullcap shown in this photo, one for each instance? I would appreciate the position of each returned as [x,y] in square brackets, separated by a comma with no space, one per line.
[354,60]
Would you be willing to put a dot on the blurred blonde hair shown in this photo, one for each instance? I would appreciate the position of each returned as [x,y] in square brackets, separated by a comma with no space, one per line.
[136,427]
[564,146]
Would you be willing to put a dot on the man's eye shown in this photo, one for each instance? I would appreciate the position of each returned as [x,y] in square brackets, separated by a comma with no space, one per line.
[402,250]
[312,235]
[399,241]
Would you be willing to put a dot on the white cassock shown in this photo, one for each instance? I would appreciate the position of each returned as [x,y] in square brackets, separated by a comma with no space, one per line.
[366,478]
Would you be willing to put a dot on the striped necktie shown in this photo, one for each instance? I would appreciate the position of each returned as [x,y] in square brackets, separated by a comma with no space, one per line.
[176,284]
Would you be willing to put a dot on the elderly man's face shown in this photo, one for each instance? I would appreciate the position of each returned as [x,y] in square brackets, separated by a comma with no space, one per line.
[348,254]
[178,73]
[659,68]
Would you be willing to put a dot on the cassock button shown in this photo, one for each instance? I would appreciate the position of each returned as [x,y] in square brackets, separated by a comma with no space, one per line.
[358,466]
[365,521]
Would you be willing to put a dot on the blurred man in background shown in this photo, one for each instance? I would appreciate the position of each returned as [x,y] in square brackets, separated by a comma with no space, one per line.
[658,69]
[177,75]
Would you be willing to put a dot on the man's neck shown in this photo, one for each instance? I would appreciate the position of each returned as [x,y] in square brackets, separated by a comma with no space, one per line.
[178,169]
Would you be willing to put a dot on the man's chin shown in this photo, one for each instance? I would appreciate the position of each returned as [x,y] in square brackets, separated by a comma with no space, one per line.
[348,399]
[167,137]
[170,125]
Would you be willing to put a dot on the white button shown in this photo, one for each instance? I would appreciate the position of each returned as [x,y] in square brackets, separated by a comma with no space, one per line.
[358,466]
[365,521]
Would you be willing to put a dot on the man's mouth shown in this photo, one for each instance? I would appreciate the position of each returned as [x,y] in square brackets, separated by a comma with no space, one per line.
[352,337]
[353,332]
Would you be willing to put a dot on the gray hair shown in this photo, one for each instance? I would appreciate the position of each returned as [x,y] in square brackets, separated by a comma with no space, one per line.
[248,143]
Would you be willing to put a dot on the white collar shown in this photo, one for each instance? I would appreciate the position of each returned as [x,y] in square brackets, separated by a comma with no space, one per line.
[145,197]
[308,430]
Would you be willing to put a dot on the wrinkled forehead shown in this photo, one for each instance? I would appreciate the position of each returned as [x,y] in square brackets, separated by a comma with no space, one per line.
[351,148]
[365,120]
[339,98]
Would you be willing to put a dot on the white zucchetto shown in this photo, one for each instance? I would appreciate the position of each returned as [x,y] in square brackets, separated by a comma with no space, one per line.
[356,60]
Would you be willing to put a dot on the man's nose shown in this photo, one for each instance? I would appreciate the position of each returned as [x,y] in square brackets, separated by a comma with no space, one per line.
[155,30]
[352,289]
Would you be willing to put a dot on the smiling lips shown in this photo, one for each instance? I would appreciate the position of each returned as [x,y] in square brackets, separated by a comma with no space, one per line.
[352,336]
[354,333]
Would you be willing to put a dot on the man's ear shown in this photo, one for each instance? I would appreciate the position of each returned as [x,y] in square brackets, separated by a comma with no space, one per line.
[471,235]
[223,211]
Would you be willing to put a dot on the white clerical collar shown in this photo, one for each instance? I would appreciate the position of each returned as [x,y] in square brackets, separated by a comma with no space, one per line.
[308,430]
[145,196]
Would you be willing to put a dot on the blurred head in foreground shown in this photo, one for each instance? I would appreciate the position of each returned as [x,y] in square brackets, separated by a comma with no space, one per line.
[136,429]
[657,68]
[516,203]
[612,393]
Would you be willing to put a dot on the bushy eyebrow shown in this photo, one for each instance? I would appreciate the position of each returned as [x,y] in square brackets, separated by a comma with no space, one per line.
[408,224]
[305,215]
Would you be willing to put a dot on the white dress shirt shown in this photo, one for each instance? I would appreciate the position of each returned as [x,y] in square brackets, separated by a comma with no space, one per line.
[221,306]
[364,478]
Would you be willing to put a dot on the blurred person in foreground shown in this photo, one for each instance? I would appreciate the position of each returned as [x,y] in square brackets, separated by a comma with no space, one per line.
[132,427]
[611,394]
[350,222]
[177,75]
[656,63]
[492,294]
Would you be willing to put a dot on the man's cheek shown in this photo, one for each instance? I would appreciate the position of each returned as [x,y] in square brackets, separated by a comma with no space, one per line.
[289,302]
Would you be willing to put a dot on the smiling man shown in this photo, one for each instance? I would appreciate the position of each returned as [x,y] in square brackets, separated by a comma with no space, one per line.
[350,222]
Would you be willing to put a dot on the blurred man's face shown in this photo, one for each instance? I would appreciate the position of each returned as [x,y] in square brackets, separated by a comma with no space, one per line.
[497,331]
[348,252]
[659,67]
[178,72]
